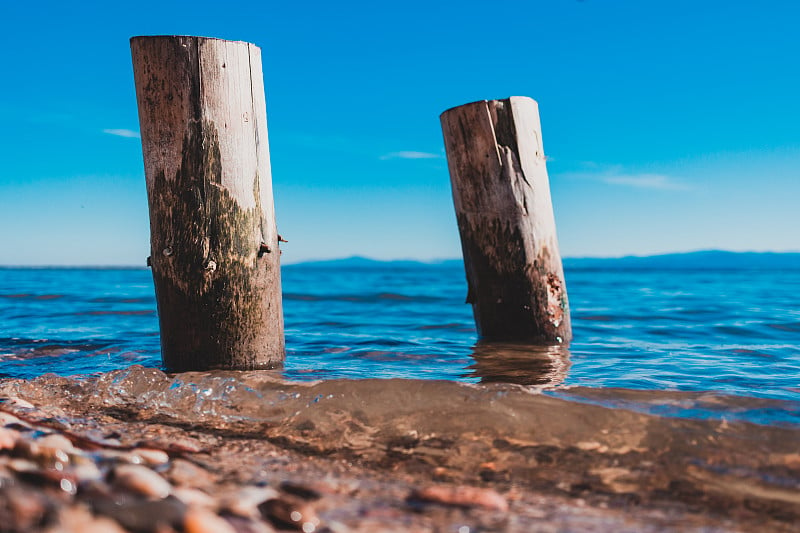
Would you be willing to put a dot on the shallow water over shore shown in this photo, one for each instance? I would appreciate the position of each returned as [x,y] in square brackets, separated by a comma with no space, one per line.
[724,345]
[505,436]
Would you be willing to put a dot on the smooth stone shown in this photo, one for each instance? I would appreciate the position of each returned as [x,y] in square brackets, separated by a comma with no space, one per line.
[44,454]
[79,519]
[87,472]
[245,501]
[291,512]
[141,480]
[56,441]
[7,419]
[151,457]
[19,465]
[307,491]
[65,481]
[461,496]
[117,456]
[8,438]
[144,516]
[184,473]
[26,509]
[195,497]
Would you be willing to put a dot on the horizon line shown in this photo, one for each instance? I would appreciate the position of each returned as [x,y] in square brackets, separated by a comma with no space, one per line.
[399,260]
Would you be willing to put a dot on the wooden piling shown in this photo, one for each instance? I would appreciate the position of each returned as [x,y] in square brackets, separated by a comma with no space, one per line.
[505,217]
[214,245]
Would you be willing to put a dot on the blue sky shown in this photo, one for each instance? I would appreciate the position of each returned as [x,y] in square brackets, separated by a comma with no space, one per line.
[669,126]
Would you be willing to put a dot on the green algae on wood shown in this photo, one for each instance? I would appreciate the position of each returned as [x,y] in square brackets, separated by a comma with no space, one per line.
[505,218]
[214,244]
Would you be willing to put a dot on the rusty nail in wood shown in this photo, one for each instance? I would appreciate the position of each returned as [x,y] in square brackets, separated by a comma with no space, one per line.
[263,249]
[281,239]
[149,263]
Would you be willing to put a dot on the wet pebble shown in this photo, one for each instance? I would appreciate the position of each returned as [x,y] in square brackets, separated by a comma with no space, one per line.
[194,497]
[461,496]
[95,490]
[185,473]
[49,453]
[140,480]
[64,481]
[151,456]
[56,441]
[26,509]
[181,445]
[292,513]
[792,460]
[8,438]
[119,456]
[86,472]
[142,515]
[140,456]
[19,465]
[245,501]
[307,491]
[7,419]
[78,519]
[203,521]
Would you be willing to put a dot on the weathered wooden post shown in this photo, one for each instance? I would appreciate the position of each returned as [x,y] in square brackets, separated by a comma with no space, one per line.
[214,245]
[505,217]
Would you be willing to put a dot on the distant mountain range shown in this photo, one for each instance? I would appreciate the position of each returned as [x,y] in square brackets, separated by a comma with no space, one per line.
[703,260]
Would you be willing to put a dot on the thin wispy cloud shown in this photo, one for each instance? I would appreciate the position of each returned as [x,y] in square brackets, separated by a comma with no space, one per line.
[615,175]
[408,154]
[123,133]
[647,181]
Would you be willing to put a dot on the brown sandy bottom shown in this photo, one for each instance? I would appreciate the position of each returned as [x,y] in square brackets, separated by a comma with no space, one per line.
[138,450]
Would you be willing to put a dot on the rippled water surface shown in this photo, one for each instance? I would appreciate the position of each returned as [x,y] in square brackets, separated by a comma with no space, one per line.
[684,343]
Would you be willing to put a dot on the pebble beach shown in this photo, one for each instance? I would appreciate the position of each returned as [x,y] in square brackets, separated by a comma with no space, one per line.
[86,455]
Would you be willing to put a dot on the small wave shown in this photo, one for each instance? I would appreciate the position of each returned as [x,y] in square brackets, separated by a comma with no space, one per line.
[359,298]
[135,312]
[302,297]
[793,327]
[401,297]
[336,349]
[756,353]
[31,296]
[596,318]
[387,341]
[22,349]
[450,325]
[735,331]
[380,355]
[117,300]
[691,405]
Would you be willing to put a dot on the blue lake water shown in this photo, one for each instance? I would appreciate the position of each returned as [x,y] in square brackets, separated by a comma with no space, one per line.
[683,343]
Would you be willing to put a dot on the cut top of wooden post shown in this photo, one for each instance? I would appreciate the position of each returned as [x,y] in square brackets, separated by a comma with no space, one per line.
[505,216]
[216,97]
